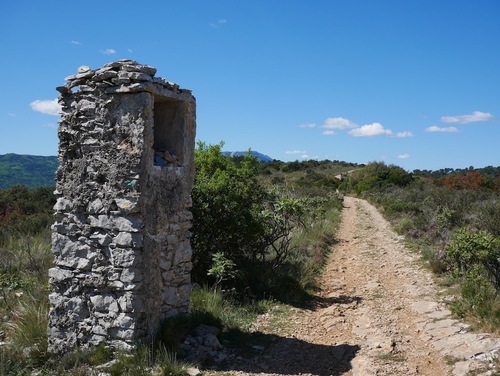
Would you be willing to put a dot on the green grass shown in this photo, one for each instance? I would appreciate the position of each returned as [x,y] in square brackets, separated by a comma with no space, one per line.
[213,308]
[389,357]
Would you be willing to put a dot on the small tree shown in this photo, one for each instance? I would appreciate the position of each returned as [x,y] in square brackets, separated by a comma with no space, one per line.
[281,218]
[222,269]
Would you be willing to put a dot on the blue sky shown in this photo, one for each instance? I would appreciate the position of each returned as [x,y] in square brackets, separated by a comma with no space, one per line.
[409,82]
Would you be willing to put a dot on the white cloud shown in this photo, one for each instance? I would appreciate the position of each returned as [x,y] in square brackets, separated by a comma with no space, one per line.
[307,125]
[109,51]
[404,156]
[295,152]
[370,130]
[475,117]
[129,50]
[404,134]
[11,114]
[338,123]
[219,23]
[75,42]
[435,128]
[328,132]
[49,107]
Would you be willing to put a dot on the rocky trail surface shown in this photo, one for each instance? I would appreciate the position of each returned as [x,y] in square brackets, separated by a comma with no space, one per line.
[378,313]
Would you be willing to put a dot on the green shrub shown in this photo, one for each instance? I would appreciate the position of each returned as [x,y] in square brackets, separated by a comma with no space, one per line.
[227,202]
[436,259]
[25,212]
[479,298]
[377,176]
[222,269]
[470,251]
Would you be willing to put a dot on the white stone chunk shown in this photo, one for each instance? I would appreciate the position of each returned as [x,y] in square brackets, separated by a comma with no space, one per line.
[58,275]
[63,205]
[131,275]
[123,239]
[124,321]
[104,303]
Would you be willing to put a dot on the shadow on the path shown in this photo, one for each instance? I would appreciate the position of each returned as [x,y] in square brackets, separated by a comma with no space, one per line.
[267,353]
[320,302]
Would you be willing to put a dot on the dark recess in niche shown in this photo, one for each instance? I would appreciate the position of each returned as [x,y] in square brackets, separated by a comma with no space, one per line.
[168,131]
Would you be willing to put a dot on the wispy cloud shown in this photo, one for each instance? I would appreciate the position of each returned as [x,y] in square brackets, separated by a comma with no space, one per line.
[475,117]
[129,50]
[404,156]
[404,134]
[75,42]
[332,125]
[370,130]
[219,23]
[109,51]
[435,128]
[11,114]
[302,154]
[338,123]
[49,107]
[307,125]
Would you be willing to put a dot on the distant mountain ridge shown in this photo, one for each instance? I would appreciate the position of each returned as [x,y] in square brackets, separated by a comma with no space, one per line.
[261,157]
[30,170]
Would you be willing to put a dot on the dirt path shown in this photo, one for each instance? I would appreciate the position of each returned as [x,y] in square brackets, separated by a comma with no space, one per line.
[379,313]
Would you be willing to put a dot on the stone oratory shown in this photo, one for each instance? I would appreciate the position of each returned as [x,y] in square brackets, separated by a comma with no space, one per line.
[121,232]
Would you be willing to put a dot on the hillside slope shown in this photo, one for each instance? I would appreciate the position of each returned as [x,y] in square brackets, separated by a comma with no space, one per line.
[30,170]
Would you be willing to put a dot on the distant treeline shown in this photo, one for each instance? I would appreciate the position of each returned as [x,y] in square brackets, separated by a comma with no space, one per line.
[489,171]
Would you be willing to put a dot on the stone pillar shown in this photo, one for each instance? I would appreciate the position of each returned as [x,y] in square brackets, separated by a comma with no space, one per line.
[121,234]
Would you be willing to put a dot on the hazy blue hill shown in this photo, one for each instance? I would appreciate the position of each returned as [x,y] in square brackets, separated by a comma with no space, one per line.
[261,157]
[30,170]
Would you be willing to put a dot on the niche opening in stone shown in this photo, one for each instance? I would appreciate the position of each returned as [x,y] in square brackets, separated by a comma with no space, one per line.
[168,141]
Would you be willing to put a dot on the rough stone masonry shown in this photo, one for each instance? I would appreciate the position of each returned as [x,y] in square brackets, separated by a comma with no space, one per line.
[121,234]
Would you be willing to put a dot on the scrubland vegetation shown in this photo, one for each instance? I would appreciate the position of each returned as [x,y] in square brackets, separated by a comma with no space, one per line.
[453,219]
[261,234]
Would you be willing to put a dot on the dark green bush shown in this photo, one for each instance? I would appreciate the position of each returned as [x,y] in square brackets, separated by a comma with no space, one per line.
[475,253]
[375,177]
[251,225]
